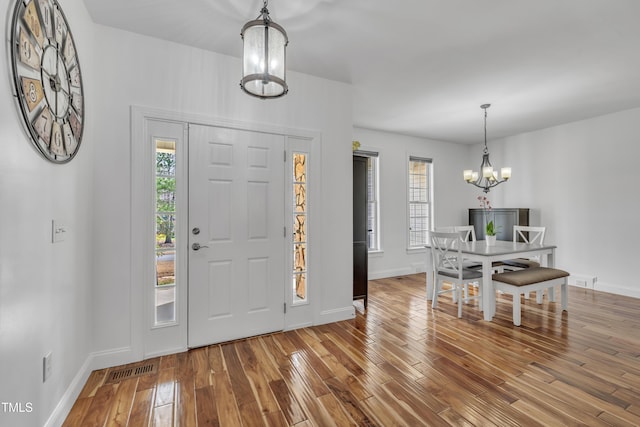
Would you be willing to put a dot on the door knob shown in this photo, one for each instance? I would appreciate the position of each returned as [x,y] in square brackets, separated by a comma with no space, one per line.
[197,246]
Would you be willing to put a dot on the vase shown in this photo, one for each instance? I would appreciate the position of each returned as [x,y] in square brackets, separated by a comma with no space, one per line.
[491,240]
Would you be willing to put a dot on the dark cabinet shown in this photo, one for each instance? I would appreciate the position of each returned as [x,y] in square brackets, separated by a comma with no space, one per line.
[360,249]
[503,218]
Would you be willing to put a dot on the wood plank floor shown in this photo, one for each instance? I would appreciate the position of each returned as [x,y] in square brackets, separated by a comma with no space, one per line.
[400,363]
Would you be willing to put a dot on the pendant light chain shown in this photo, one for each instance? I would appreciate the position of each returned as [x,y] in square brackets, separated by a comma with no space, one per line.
[264,13]
[485,106]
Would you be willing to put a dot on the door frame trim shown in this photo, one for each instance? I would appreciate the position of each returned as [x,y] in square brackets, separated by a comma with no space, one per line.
[139,220]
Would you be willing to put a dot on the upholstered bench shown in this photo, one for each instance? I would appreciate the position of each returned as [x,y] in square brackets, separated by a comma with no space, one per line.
[532,279]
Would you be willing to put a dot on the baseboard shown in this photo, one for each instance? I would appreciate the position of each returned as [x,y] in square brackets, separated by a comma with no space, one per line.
[383,274]
[70,396]
[114,357]
[617,289]
[336,315]
[298,326]
[166,352]
[96,360]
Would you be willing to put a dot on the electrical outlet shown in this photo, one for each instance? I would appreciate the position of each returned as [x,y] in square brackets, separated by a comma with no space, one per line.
[47,367]
[581,283]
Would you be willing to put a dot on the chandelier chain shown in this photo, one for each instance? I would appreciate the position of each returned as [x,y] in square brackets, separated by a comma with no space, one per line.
[264,12]
[486,150]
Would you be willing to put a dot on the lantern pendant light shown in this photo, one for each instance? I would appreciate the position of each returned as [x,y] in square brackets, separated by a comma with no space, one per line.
[264,57]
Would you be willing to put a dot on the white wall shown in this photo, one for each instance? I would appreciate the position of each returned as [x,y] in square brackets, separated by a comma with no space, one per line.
[45,288]
[451,195]
[579,178]
[141,71]
[576,179]
[74,298]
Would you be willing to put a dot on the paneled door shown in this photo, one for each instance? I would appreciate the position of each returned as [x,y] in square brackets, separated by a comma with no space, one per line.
[236,234]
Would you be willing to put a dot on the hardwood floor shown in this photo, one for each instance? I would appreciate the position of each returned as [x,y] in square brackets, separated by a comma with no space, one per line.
[403,364]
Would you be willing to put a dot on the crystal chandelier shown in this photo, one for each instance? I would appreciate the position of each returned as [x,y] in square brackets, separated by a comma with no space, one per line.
[489,178]
[264,57]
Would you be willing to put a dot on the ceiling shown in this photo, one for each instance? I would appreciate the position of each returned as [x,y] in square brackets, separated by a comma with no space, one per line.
[424,67]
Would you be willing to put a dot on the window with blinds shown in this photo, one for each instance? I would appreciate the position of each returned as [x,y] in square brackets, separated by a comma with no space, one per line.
[420,206]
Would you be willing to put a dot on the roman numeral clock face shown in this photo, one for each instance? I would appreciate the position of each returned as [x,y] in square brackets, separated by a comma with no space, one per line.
[47,78]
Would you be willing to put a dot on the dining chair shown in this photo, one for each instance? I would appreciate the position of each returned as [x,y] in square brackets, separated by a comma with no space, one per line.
[446,256]
[467,234]
[528,235]
[446,229]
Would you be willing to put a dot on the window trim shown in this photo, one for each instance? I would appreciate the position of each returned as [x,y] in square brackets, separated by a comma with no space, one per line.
[429,225]
[178,152]
[377,222]
[149,340]
[291,152]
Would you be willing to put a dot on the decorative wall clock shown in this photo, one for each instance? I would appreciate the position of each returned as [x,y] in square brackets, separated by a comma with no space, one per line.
[47,79]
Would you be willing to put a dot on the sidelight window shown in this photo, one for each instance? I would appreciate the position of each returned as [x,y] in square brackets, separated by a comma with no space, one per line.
[300,227]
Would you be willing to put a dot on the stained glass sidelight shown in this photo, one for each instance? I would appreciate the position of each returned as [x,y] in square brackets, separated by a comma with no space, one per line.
[300,226]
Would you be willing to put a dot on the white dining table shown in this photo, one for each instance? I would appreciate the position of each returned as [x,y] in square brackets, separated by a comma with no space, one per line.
[480,252]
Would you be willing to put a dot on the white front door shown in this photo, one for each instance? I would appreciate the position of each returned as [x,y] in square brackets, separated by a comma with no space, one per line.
[236,216]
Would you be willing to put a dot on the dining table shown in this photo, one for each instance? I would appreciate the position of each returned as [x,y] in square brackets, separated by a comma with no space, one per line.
[478,251]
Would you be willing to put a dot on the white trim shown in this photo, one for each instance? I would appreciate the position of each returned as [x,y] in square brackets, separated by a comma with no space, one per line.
[69,397]
[165,352]
[383,274]
[367,151]
[416,250]
[198,119]
[336,315]
[617,289]
[298,326]
[296,146]
[146,338]
[419,267]
[429,161]
[296,315]
[589,281]
[113,357]
[94,361]
[301,314]
[139,182]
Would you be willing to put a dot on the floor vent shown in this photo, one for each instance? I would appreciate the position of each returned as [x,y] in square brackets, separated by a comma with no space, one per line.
[131,372]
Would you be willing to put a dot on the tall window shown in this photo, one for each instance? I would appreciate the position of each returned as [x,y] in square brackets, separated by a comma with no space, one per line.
[165,239]
[299,227]
[373,207]
[420,206]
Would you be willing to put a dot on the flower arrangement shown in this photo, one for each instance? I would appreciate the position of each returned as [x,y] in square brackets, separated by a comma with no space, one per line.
[490,228]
